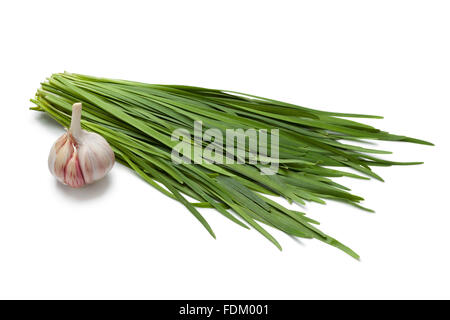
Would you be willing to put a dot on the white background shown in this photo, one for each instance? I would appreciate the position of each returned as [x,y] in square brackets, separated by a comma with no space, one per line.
[120,238]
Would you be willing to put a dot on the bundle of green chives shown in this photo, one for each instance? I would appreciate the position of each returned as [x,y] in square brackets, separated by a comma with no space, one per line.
[138,121]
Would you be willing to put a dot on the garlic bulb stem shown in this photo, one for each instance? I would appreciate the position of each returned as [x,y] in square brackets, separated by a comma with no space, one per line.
[75,124]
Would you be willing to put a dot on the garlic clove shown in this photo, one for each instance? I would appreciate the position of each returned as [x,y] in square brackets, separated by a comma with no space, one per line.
[96,157]
[61,153]
[73,175]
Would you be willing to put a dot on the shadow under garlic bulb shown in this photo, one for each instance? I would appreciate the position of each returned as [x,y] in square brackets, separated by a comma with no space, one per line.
[80,157]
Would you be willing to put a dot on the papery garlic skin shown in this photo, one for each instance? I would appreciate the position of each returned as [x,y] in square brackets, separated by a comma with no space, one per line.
[80,157]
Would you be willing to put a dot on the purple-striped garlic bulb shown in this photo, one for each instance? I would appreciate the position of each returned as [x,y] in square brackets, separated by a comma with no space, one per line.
[80,157]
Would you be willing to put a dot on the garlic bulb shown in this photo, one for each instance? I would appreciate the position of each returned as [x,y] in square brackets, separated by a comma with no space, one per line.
[80,157]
